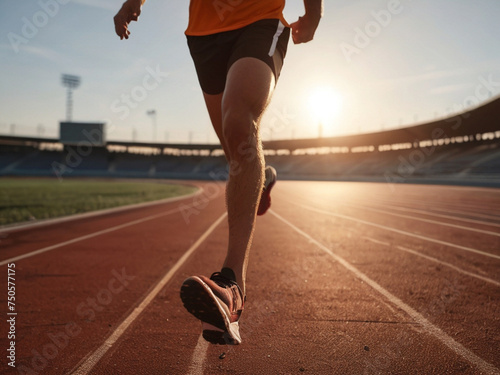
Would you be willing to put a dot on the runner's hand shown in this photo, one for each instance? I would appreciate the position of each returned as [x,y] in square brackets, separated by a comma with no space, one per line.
[130,11]
[303,30]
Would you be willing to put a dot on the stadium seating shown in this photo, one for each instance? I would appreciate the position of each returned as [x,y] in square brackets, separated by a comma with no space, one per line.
[471,162]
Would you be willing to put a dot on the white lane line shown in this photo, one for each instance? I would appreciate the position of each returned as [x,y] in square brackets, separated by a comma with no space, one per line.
[430,213]
[87,236]
[376,241]
[488,280]
[458,348]
[445,211]
[398,231]
[198,357]
[464,206]
[93,358]
[425,220]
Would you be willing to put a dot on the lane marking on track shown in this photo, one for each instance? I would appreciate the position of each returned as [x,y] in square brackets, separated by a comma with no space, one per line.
[93,358]
[488,280]
[458,348]
[402,248]
[375,200]
[377,241]
[87,236]
[198,357]
[447,211]
[431,213]
[424,220]
[398,231]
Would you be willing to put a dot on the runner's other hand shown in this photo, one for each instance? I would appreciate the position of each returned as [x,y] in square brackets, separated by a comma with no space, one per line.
[303,30]
[130,11]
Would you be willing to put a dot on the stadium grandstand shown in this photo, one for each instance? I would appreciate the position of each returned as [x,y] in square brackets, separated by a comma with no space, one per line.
[462,149]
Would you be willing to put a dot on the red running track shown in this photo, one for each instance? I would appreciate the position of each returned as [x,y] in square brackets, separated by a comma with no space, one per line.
[344,278]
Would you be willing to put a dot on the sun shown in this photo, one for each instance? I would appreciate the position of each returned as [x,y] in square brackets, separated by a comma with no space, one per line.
[325,104]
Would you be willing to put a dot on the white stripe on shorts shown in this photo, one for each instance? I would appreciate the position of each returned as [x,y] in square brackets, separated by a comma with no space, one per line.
[279,31]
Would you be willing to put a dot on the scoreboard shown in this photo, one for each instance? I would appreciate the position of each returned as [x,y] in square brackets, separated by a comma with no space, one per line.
[78,133]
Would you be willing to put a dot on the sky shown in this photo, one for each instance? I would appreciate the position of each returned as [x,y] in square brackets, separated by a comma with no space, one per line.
[373,65]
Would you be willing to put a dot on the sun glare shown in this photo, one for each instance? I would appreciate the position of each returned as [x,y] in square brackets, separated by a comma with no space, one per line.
[325,104]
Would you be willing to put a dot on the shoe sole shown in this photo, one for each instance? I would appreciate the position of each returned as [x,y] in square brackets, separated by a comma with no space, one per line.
[200,301]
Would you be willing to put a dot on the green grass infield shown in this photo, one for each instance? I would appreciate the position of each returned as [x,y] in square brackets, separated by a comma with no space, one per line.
[24,200]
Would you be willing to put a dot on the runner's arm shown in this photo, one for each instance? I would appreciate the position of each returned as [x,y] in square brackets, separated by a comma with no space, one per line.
[303,30]
[130,11]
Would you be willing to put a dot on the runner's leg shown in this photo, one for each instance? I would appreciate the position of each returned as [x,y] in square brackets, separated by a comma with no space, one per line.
[249,87]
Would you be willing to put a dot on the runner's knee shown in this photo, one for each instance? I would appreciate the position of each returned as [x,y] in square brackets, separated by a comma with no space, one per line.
[240,133]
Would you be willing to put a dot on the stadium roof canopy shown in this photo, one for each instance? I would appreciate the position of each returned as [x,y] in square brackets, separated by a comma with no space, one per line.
[483,119]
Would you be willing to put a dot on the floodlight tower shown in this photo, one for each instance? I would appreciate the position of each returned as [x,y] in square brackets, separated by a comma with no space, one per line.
[70,82]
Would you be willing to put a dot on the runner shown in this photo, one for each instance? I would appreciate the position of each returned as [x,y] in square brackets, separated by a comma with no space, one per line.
[238,48]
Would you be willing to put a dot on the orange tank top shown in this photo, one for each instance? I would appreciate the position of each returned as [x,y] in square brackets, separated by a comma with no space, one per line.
[215,16]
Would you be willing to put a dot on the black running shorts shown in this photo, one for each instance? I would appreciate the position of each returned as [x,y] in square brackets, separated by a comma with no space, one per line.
[214,54]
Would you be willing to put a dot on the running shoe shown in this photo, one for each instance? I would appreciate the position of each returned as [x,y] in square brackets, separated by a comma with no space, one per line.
[265,199]
[216,301]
